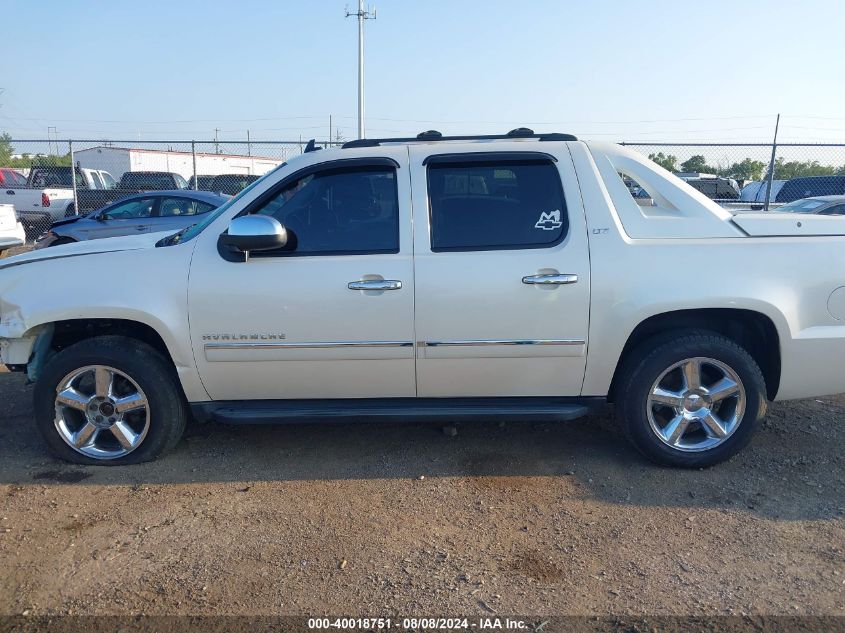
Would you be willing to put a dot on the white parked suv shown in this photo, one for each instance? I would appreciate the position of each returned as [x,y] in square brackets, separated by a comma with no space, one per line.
[501,276]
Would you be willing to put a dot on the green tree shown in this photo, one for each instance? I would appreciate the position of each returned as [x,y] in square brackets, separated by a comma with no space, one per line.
[6,149]
[799,169]
[42,160]
[746,169]
[698,164]
[666,161]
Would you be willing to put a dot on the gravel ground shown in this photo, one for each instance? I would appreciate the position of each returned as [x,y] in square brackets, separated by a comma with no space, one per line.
[381,519]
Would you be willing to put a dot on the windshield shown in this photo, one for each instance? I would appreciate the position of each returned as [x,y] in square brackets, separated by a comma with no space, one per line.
[192,231]
[801,206]
[109,182]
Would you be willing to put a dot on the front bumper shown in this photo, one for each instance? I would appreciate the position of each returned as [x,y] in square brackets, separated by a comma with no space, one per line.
[16,351]
[15,237]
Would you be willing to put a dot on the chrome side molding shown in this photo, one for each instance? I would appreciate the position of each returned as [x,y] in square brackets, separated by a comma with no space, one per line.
[343,344]
[308,345]
[477,343]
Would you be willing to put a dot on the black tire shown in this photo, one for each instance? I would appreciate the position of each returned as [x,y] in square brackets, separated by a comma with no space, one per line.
[653,357]
[63,240]
[168,411]
[70,212]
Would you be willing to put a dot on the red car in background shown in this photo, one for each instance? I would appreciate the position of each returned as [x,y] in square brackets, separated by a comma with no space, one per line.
[10,178]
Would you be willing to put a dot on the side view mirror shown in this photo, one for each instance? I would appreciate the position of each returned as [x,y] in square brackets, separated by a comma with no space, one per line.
[645,202]
[254,233]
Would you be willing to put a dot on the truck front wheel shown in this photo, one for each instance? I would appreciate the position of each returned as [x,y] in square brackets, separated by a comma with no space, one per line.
[691,401]
[109,400]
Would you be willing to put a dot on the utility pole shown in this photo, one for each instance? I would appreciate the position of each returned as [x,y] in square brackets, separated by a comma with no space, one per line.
[52,133]
[248,146]
[772,165]
[216,146]
[362,15]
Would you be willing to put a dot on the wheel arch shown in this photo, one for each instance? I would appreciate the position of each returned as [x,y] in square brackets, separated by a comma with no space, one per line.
[754,331]
[70,331]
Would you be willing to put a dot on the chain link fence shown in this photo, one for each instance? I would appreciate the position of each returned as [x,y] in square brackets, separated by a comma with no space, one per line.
[737,174]
[35,175]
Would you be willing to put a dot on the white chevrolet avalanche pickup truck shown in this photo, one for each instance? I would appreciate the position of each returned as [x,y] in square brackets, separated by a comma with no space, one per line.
[507,276]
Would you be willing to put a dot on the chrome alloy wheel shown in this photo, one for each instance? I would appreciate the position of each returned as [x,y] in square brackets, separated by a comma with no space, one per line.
[101,412]
[696,404]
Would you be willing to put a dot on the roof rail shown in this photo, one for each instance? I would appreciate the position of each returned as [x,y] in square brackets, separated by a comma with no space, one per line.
[434,135]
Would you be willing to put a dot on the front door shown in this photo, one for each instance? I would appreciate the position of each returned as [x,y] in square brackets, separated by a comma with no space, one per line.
[331,316]
[502,273]
[123,218]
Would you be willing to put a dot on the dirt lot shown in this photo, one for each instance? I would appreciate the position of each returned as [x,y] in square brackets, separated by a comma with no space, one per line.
[381,519]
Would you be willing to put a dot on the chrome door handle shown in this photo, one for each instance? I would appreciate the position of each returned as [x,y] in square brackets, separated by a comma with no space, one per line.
[375,284]
[550,280]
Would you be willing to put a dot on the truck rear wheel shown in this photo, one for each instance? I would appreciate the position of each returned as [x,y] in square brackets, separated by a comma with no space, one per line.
[692,400]
[109,400]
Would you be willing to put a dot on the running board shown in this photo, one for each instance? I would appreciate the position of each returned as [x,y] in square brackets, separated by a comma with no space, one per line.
[409,409]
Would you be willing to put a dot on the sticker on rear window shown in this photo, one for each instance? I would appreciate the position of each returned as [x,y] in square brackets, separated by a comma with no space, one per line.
[549,221]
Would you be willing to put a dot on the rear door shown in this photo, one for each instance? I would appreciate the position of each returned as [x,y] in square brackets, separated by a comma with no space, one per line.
[501,271]
[177,212]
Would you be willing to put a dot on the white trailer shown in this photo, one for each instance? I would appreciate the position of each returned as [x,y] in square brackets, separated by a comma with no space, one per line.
[118,160]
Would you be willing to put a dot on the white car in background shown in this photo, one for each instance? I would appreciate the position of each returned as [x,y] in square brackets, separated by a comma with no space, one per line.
[11,230]
[755,191]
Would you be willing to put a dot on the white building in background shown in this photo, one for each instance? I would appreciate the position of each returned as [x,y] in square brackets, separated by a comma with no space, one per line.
[118,160]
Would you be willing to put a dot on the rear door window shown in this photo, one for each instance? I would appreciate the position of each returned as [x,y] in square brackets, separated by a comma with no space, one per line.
[492,204]
[178,207]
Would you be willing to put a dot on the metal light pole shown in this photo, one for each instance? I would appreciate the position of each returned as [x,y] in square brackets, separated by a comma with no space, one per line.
[362,15]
